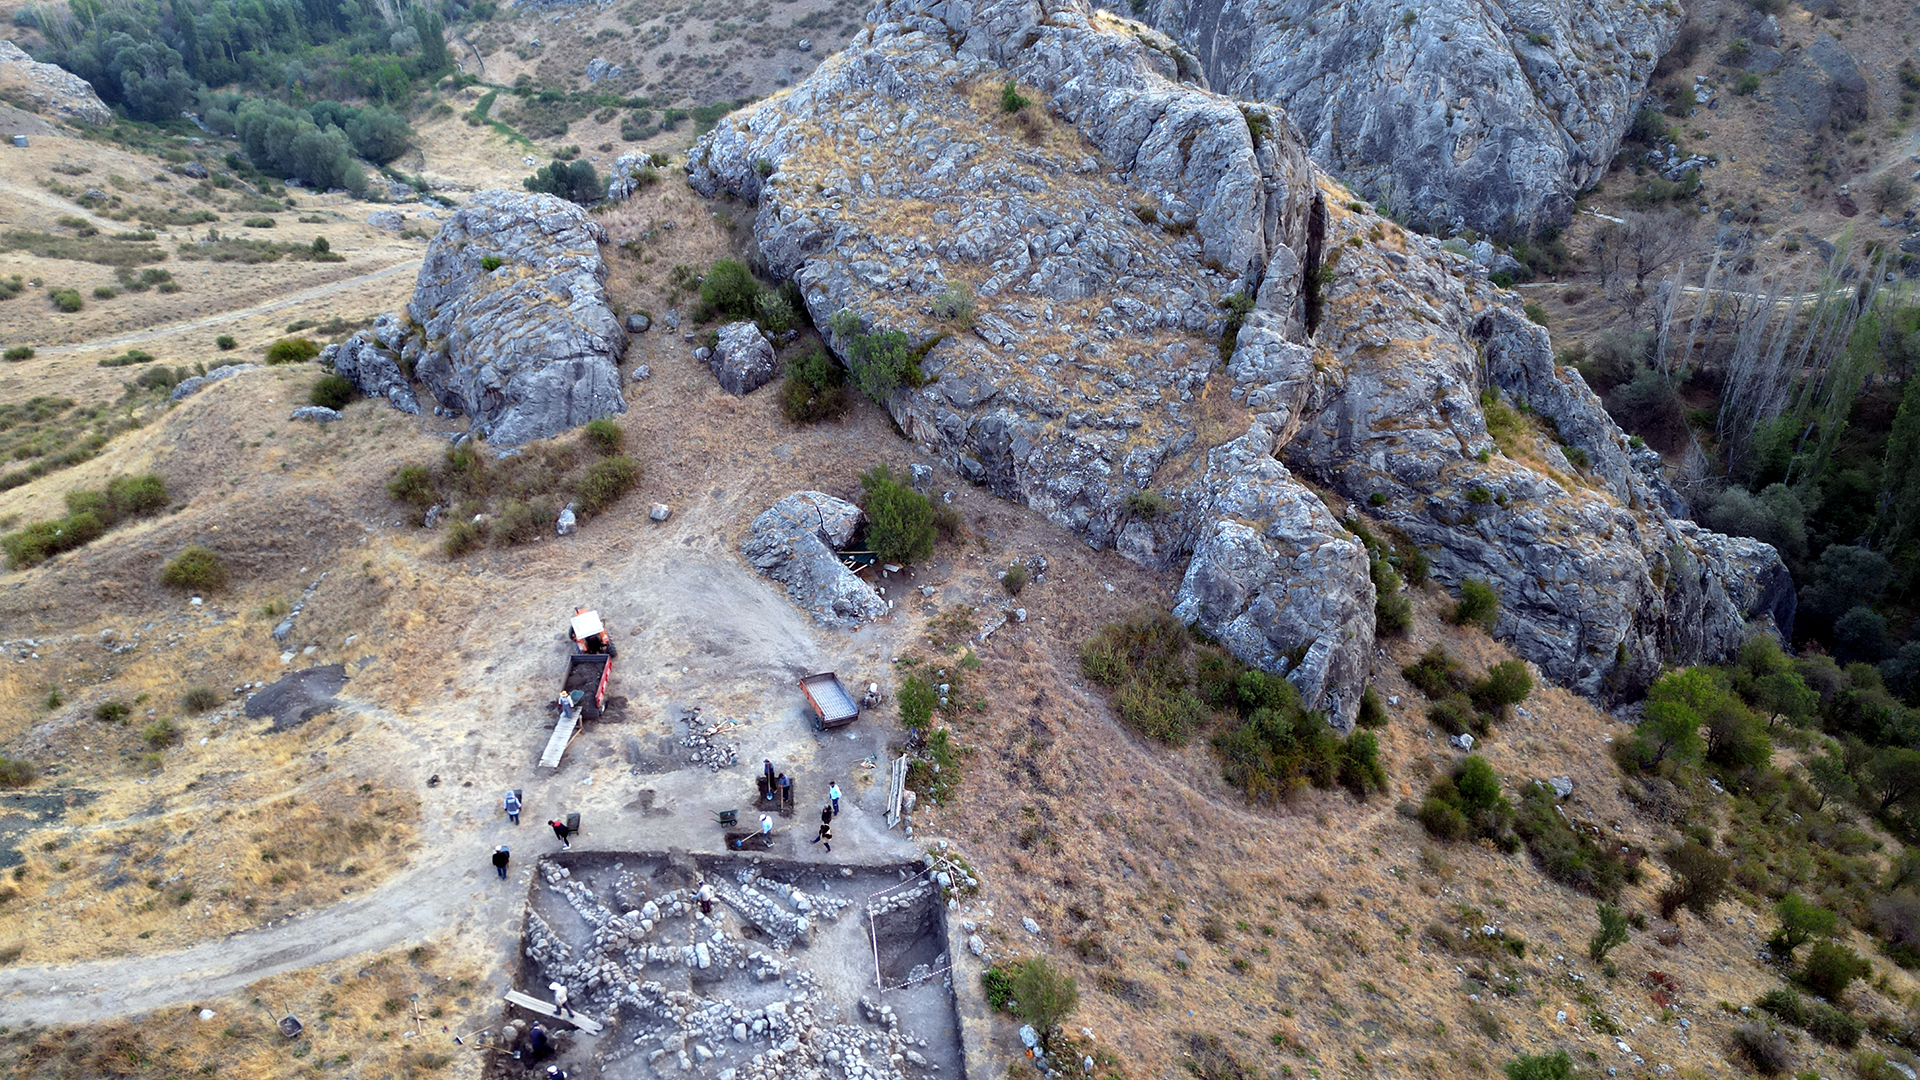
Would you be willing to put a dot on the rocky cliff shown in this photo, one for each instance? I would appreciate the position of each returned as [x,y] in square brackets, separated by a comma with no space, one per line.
[1106,230]
[1491,115]
[49,89]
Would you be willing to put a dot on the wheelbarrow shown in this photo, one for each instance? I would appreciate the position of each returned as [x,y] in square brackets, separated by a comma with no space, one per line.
[288,1024]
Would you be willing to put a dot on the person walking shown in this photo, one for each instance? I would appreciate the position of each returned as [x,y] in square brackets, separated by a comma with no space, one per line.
[560,999]
[500,857]
[512,806]
[833,798]
[826,814]
[826,834]
[705,895]
[560,830]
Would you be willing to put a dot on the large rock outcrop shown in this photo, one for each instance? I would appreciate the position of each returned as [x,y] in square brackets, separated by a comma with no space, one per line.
[797,542]
[1105,232]
[513,327]
[1488,114]
[48,88]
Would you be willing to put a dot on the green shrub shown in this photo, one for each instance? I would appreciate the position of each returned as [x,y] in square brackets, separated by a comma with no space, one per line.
[1011,100]
[321,250]
[881,361]
[1165,715]
[128,359]
[17,772]
[998,983]
[413,484]
[1611,934]
[1392,608]
[226,342]
[1800,922]
[1436,674]
[956,304]
[142,495]
[1456,715]
[332,392]
[462,538]
[604,483]
[258,223]
[105,292]
[1478,605]
[1554,1066]
[1747,84]
[160,734]
[577,181]
[1147,503]
[293,350]
[1536,313]
[1014,579]
[917,700]
[200,698]
[1468,803]
[522,522]
[900,526]
[603,437]
[196,569]
[730,289]
[1151,646]
[17,353]
[1567,855]
[1044,996]
[815,388]
[65,299]
[1699,880]
[1372,715]
[1832,1026]
[490,263]
[774,312]
[1505,683]
[1784,1003]
[112,712]
[1830,967]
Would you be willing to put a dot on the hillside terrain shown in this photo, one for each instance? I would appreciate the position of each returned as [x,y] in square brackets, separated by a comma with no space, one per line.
[1312,645]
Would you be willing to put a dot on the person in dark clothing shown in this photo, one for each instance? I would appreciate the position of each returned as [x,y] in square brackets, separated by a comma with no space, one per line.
[826,834]
[554,1073]
[826,814]
[500,857]
[560,830]
[768,771]
[786,791]
[537,1041]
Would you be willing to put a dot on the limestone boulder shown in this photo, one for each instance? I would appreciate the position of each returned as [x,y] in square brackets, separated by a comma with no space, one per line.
[743,361]
[797,541]
[514,328]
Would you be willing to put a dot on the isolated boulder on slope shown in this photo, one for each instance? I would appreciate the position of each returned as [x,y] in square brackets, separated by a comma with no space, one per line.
[531,347]
[797,542]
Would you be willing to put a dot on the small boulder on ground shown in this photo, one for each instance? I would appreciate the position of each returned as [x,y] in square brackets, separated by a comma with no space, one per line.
[743,361]
[638,323]
[390,220]
[319,414]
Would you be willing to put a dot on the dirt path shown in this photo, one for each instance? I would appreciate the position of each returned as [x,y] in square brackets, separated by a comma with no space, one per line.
[305,296]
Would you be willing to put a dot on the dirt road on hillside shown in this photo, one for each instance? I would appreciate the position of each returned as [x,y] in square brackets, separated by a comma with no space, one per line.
[304,296]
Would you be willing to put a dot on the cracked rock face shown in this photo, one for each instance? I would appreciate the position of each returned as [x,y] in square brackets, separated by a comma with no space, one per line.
[796,542]
[1492,115]
[514,327]
[743,361]
[1101,230]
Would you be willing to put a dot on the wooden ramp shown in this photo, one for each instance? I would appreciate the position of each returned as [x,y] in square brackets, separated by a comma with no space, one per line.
[563,733]
[545,1008]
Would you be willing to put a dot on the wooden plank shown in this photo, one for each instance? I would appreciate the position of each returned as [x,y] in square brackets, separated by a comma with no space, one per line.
[896,789]
[563,732]
[545,1008]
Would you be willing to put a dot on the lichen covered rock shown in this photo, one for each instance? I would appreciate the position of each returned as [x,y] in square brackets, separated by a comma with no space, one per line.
[796,542]
[514,327]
